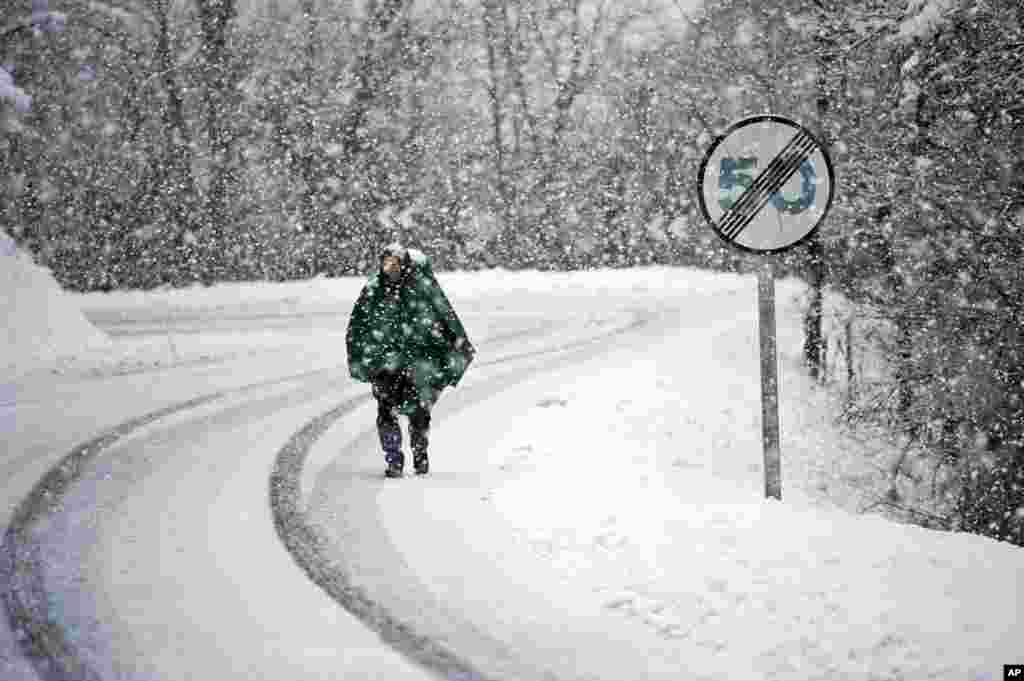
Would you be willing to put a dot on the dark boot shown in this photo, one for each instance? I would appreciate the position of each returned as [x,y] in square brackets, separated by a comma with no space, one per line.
[390,441]
[394,470]
[419,429]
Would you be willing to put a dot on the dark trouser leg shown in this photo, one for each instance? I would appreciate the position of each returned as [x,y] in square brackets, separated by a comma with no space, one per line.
[419,430]
[390,432]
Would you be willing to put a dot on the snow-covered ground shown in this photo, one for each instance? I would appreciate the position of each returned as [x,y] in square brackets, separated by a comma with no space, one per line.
[43,325]
[589,515]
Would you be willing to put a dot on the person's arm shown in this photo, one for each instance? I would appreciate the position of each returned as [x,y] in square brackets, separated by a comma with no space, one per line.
[451,326]
[356,335]
[452,329]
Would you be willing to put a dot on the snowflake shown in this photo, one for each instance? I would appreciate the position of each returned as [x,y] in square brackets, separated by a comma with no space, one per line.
[924,17]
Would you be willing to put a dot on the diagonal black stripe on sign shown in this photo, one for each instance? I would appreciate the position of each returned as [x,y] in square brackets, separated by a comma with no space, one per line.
[782,172]
[767,179]
[741,207]
[778,172]
[767,183]
[768,173]
[790,169]
[759,199]
[773,177]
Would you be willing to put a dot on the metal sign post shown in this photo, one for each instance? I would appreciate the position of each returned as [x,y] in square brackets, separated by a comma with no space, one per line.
[769,381]
[735,197]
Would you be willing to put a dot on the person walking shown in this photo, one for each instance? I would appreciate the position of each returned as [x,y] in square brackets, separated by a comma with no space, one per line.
[405,339]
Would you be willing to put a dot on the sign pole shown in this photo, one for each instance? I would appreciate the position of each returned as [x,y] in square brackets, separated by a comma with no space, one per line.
[745,194]
[769,381]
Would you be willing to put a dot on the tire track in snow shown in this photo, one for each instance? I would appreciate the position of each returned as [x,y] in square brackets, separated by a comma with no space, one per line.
[309,546]
[26,600]
[25,597]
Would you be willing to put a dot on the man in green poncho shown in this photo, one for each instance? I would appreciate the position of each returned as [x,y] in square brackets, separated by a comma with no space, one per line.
[406,340]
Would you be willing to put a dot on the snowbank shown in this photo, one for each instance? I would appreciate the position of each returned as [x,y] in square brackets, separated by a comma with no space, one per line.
[43,324]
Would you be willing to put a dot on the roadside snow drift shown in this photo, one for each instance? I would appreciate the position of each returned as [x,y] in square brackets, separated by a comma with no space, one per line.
[43,324]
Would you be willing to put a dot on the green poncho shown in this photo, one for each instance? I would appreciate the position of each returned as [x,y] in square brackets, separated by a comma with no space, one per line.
[408,326]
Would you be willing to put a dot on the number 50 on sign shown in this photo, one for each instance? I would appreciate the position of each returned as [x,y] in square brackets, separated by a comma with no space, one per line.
[737,174]
[765,184]
[744,195]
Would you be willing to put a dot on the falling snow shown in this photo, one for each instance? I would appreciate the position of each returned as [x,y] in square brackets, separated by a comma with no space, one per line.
[198,190]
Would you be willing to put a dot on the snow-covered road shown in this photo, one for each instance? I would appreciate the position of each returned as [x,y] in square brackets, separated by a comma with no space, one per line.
[593,509]
[157,560]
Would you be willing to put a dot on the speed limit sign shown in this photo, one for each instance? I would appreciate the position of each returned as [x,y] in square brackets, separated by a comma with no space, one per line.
[765,184]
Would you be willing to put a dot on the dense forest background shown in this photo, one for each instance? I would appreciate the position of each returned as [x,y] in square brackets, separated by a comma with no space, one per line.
[167,142]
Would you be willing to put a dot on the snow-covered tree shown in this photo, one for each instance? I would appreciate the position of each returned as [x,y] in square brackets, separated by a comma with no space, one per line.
[928,238]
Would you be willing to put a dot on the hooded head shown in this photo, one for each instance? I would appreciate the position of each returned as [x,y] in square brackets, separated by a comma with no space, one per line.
[394,263]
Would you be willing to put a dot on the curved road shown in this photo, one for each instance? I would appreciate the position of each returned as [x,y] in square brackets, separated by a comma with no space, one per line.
[153,553]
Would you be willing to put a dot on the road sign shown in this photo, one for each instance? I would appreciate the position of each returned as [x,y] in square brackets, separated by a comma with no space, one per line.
[765,184]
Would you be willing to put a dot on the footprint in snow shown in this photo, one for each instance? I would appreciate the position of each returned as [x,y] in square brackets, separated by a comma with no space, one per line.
[718,585]
[519,463]
[611,540]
